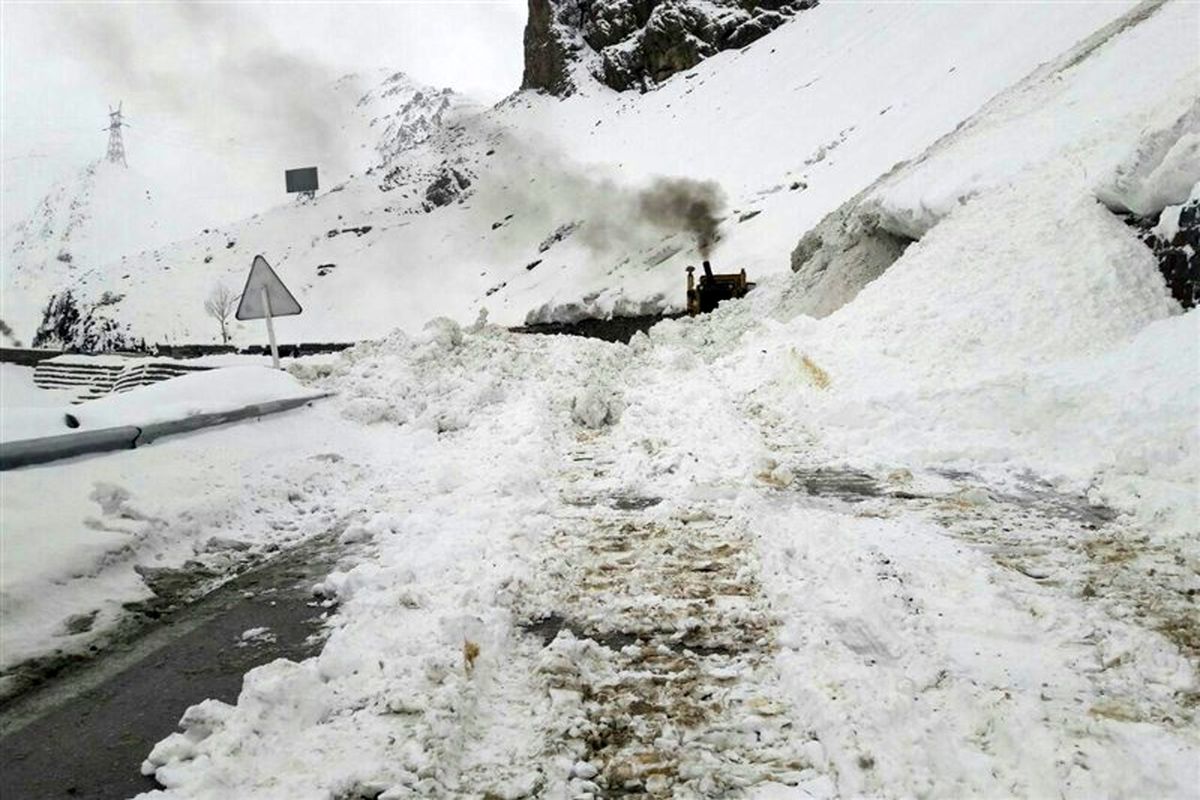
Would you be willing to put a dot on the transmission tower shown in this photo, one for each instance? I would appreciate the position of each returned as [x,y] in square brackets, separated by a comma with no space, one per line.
[116,146]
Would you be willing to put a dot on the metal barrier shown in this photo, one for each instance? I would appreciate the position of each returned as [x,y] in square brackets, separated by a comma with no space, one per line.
[28,452]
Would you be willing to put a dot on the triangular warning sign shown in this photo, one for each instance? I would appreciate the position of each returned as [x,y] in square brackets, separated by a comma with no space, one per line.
[263,277]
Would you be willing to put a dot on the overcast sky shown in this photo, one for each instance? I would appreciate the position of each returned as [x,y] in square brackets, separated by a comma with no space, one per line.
[195,75]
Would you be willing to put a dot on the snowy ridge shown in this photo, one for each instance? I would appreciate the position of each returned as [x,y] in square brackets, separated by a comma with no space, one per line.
[421,113]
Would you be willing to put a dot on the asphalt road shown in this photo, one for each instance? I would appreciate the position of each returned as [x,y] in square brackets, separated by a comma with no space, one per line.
[85,734]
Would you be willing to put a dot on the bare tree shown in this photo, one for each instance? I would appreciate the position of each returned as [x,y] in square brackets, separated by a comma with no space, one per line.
[220,306]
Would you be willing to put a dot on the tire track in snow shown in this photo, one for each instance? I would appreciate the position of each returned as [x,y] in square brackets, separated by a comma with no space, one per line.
[659,647]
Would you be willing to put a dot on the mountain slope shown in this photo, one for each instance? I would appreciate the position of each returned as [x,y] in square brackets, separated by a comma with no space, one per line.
[86,232]
[467,220]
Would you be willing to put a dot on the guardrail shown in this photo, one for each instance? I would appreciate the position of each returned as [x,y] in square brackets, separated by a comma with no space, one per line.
[25,452]
[29,452]
[28,357]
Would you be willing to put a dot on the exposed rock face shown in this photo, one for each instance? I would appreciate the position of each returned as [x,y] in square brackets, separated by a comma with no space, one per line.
[1175,240]
[449,186]
[636,44]
[547,54]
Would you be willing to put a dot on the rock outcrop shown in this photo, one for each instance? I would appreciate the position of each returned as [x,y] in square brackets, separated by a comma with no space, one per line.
[1175,241]
[636,44]
[448,187]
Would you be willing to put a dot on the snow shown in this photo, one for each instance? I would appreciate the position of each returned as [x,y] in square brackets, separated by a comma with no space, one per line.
[208,392]
[939,542]
[915,654]
[90,554]
[835,123]
[97,230]
[185,498]
[17,389]
[211,391]
[1128,137]
[26,410]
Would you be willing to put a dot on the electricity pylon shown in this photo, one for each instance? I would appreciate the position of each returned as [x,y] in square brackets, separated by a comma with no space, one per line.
[116,146]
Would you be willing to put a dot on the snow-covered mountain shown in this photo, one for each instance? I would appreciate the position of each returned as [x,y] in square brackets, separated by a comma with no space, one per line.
[94,217]
[88,229]
[490,212]
[458,209]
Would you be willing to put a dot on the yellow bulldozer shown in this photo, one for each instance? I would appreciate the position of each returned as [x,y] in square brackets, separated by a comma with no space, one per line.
[713,288]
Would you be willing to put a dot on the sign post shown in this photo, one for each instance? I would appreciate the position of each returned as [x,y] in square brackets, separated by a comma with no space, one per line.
[265,297]
[266,301]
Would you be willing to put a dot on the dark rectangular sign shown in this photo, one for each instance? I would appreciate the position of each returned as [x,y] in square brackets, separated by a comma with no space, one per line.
[301,180]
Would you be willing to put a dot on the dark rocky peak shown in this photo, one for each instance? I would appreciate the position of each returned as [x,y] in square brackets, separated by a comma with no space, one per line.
[637,44]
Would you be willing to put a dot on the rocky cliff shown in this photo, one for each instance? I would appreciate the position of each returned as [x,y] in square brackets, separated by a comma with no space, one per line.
[636,44]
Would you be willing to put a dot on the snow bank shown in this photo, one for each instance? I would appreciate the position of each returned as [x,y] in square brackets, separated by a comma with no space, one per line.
[25,409]
[1129,135]
[1028,328]
[1054,347]
[208,392]
[211,391]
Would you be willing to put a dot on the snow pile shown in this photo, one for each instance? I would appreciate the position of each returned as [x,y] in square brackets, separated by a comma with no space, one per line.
[469,423]
[598,305]
[1058,354]
[209,392]
[440,381]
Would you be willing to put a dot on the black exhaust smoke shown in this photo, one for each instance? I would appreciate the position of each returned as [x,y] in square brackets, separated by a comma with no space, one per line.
[687,205]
